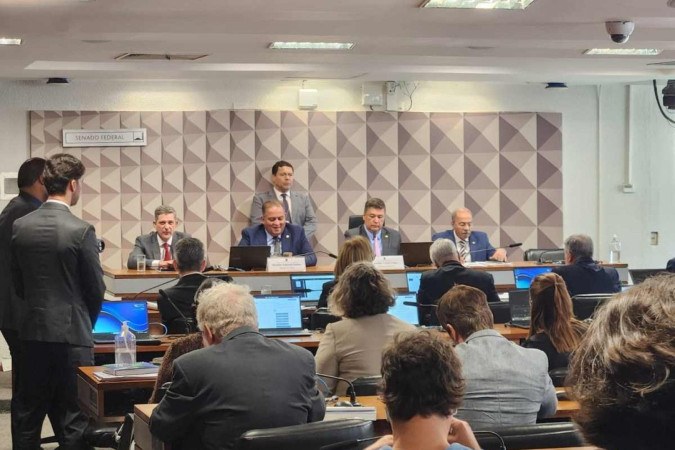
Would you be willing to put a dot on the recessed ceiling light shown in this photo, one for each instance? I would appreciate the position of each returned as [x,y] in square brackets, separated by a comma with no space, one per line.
[477,4]
[10,41]
[312,45]
[624,51]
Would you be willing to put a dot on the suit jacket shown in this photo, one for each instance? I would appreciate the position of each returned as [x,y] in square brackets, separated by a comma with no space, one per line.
[584,276]
[245,382]
[57,273]
[435,283]
[148,245]
[391,239]
[479,244]
[352,348]
[326,290]
[302,212]
[293,239]
[10,304]
[542,341]
[506,384]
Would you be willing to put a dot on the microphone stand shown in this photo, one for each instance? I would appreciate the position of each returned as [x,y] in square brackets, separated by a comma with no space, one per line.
[188,322]
[154,287]
[352,394]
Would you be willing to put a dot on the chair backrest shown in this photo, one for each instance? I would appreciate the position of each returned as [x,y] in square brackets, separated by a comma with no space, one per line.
[544,254]
[540,435]
[501,311]
[355,221]
[558,376]
[309,436]
[366,385]
[584,305]
[320,319]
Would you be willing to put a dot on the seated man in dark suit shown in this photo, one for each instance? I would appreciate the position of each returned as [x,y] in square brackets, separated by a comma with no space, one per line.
[435,283]
[282,237]
[384,240]
[472,245]
[582,274]
[157,245]
[176,303]
[238,382]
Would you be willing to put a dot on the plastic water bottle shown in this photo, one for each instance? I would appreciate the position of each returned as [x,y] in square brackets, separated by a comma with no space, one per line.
[615,250]
[125,346]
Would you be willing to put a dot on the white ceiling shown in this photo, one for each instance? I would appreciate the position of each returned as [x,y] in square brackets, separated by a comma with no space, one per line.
[395,40]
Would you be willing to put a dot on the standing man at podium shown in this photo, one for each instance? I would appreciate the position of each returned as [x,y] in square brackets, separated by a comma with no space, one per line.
[157,246]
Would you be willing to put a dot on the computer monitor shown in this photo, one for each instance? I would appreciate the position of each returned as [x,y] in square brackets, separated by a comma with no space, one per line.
[249,257]
[413,281]
[406,313]
[309,286]
[113,313]
[525,275]
[278,312]
[416,253]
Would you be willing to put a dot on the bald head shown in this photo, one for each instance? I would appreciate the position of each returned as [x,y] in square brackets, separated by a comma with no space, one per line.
[462,221]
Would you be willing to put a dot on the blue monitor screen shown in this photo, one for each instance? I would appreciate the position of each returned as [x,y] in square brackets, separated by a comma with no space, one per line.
[414,281]
[404,312]
[309,287]
[114,313]
[278,311]
[525,275]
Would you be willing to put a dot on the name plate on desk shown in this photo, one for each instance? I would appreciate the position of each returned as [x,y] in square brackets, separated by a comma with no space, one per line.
[389,262]
[286,264]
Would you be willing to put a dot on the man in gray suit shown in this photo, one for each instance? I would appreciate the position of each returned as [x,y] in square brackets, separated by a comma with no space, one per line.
[297,205]
[157,246]
[57,274]
[384,241]
[506,384]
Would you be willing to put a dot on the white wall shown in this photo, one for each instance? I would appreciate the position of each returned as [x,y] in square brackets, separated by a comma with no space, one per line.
[592,203]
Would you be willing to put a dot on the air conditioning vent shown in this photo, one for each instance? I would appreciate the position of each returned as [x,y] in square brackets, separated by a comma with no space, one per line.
[158,57]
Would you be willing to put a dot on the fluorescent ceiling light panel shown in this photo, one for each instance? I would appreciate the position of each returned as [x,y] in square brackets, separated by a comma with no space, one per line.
[624,51]
[478,4]
[312,45]
[10,41]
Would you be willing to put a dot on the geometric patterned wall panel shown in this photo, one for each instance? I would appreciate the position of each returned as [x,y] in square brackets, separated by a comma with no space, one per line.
[505,167]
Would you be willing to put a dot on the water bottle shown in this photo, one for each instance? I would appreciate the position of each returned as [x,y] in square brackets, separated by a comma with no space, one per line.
[615,250]
[125,346]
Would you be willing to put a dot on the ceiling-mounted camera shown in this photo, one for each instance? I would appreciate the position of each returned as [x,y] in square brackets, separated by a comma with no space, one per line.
[620,30]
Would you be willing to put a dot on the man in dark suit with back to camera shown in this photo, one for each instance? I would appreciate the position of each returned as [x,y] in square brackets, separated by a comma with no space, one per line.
[157,246]
[57,274]
[581,273]
[449,272]
[472,245]
[383,240]
[240,381]
[282,237]
[298,206]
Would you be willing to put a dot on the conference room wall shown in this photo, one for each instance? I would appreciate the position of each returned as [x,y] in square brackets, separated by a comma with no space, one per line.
[579,106]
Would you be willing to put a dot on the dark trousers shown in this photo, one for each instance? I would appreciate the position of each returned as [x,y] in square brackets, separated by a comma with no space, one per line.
[48,383]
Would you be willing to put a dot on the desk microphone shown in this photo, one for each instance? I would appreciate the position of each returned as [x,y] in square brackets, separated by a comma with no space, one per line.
[318,251]
[189,323]
[352,393]
[154,287]
[420,305]
[517,244]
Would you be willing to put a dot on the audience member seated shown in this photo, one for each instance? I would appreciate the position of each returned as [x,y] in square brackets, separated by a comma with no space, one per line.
[352,347]
[383,240]
[449,272]
[623,373]
[581,273]
[181,346]
[239,381]
[670,266]
[472,245]
[553,328]
[297,205]
[506,384]
[422,387]
[282,237]
[157,245]
[353,250]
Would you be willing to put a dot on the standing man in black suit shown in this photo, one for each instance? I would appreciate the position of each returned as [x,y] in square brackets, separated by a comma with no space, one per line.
[57,274]
[383,240]
[449,272]
[157,246]
[581,273]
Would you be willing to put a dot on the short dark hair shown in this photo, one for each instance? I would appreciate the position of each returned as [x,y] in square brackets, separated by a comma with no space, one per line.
[374,203]
[466,309]
[189,253]
[362,290]
[277,165]
[421,376]
[623,372]
[60,170]
[30,171]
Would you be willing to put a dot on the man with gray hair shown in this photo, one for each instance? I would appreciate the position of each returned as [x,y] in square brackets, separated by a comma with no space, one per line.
[449,272]
[157,246]
[238,382]
[581,273]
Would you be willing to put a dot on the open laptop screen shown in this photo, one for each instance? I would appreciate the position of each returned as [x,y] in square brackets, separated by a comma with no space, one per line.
[278,312]
[525,275]
[405,312]
[413,281]
[309,286]
[114,313]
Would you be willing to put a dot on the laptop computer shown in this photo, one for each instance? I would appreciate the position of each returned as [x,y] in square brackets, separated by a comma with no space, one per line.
[640,275]
[519,304]
[113,313]
[309,286]
[413,281]
[405,312]
[416,253]
[249,257]
[525,275]
[279,315]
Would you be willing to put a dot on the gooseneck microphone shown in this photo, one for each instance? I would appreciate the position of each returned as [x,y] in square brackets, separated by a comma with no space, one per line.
[189,323]
[318,251]
[517,244]
[352,393]
[155,287]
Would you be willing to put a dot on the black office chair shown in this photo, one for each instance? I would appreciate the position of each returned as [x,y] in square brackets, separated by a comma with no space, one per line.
[544,255]
[540,435]
[585,305]
[320,319]
[355,221]
[366,385]
[310,436]
[558,376]
[500,311]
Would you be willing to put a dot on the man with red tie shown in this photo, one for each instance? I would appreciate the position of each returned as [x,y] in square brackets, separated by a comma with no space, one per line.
[384,240]
[157,246]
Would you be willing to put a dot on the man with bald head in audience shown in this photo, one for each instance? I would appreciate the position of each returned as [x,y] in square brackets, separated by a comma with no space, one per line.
[472,245]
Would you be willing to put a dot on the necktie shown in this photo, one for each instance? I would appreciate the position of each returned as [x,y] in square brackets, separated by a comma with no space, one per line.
[287,209]
[276,251]
[167,252]
[463,251]
[377,246]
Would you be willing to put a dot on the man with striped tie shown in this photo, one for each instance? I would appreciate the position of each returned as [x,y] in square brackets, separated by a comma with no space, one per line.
[471,245]
[384,240]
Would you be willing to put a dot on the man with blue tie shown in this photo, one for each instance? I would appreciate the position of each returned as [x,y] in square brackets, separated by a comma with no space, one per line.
[472,245]
[385,241]
[282,237]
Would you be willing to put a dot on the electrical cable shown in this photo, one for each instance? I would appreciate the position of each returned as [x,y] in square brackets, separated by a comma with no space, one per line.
[656,95]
